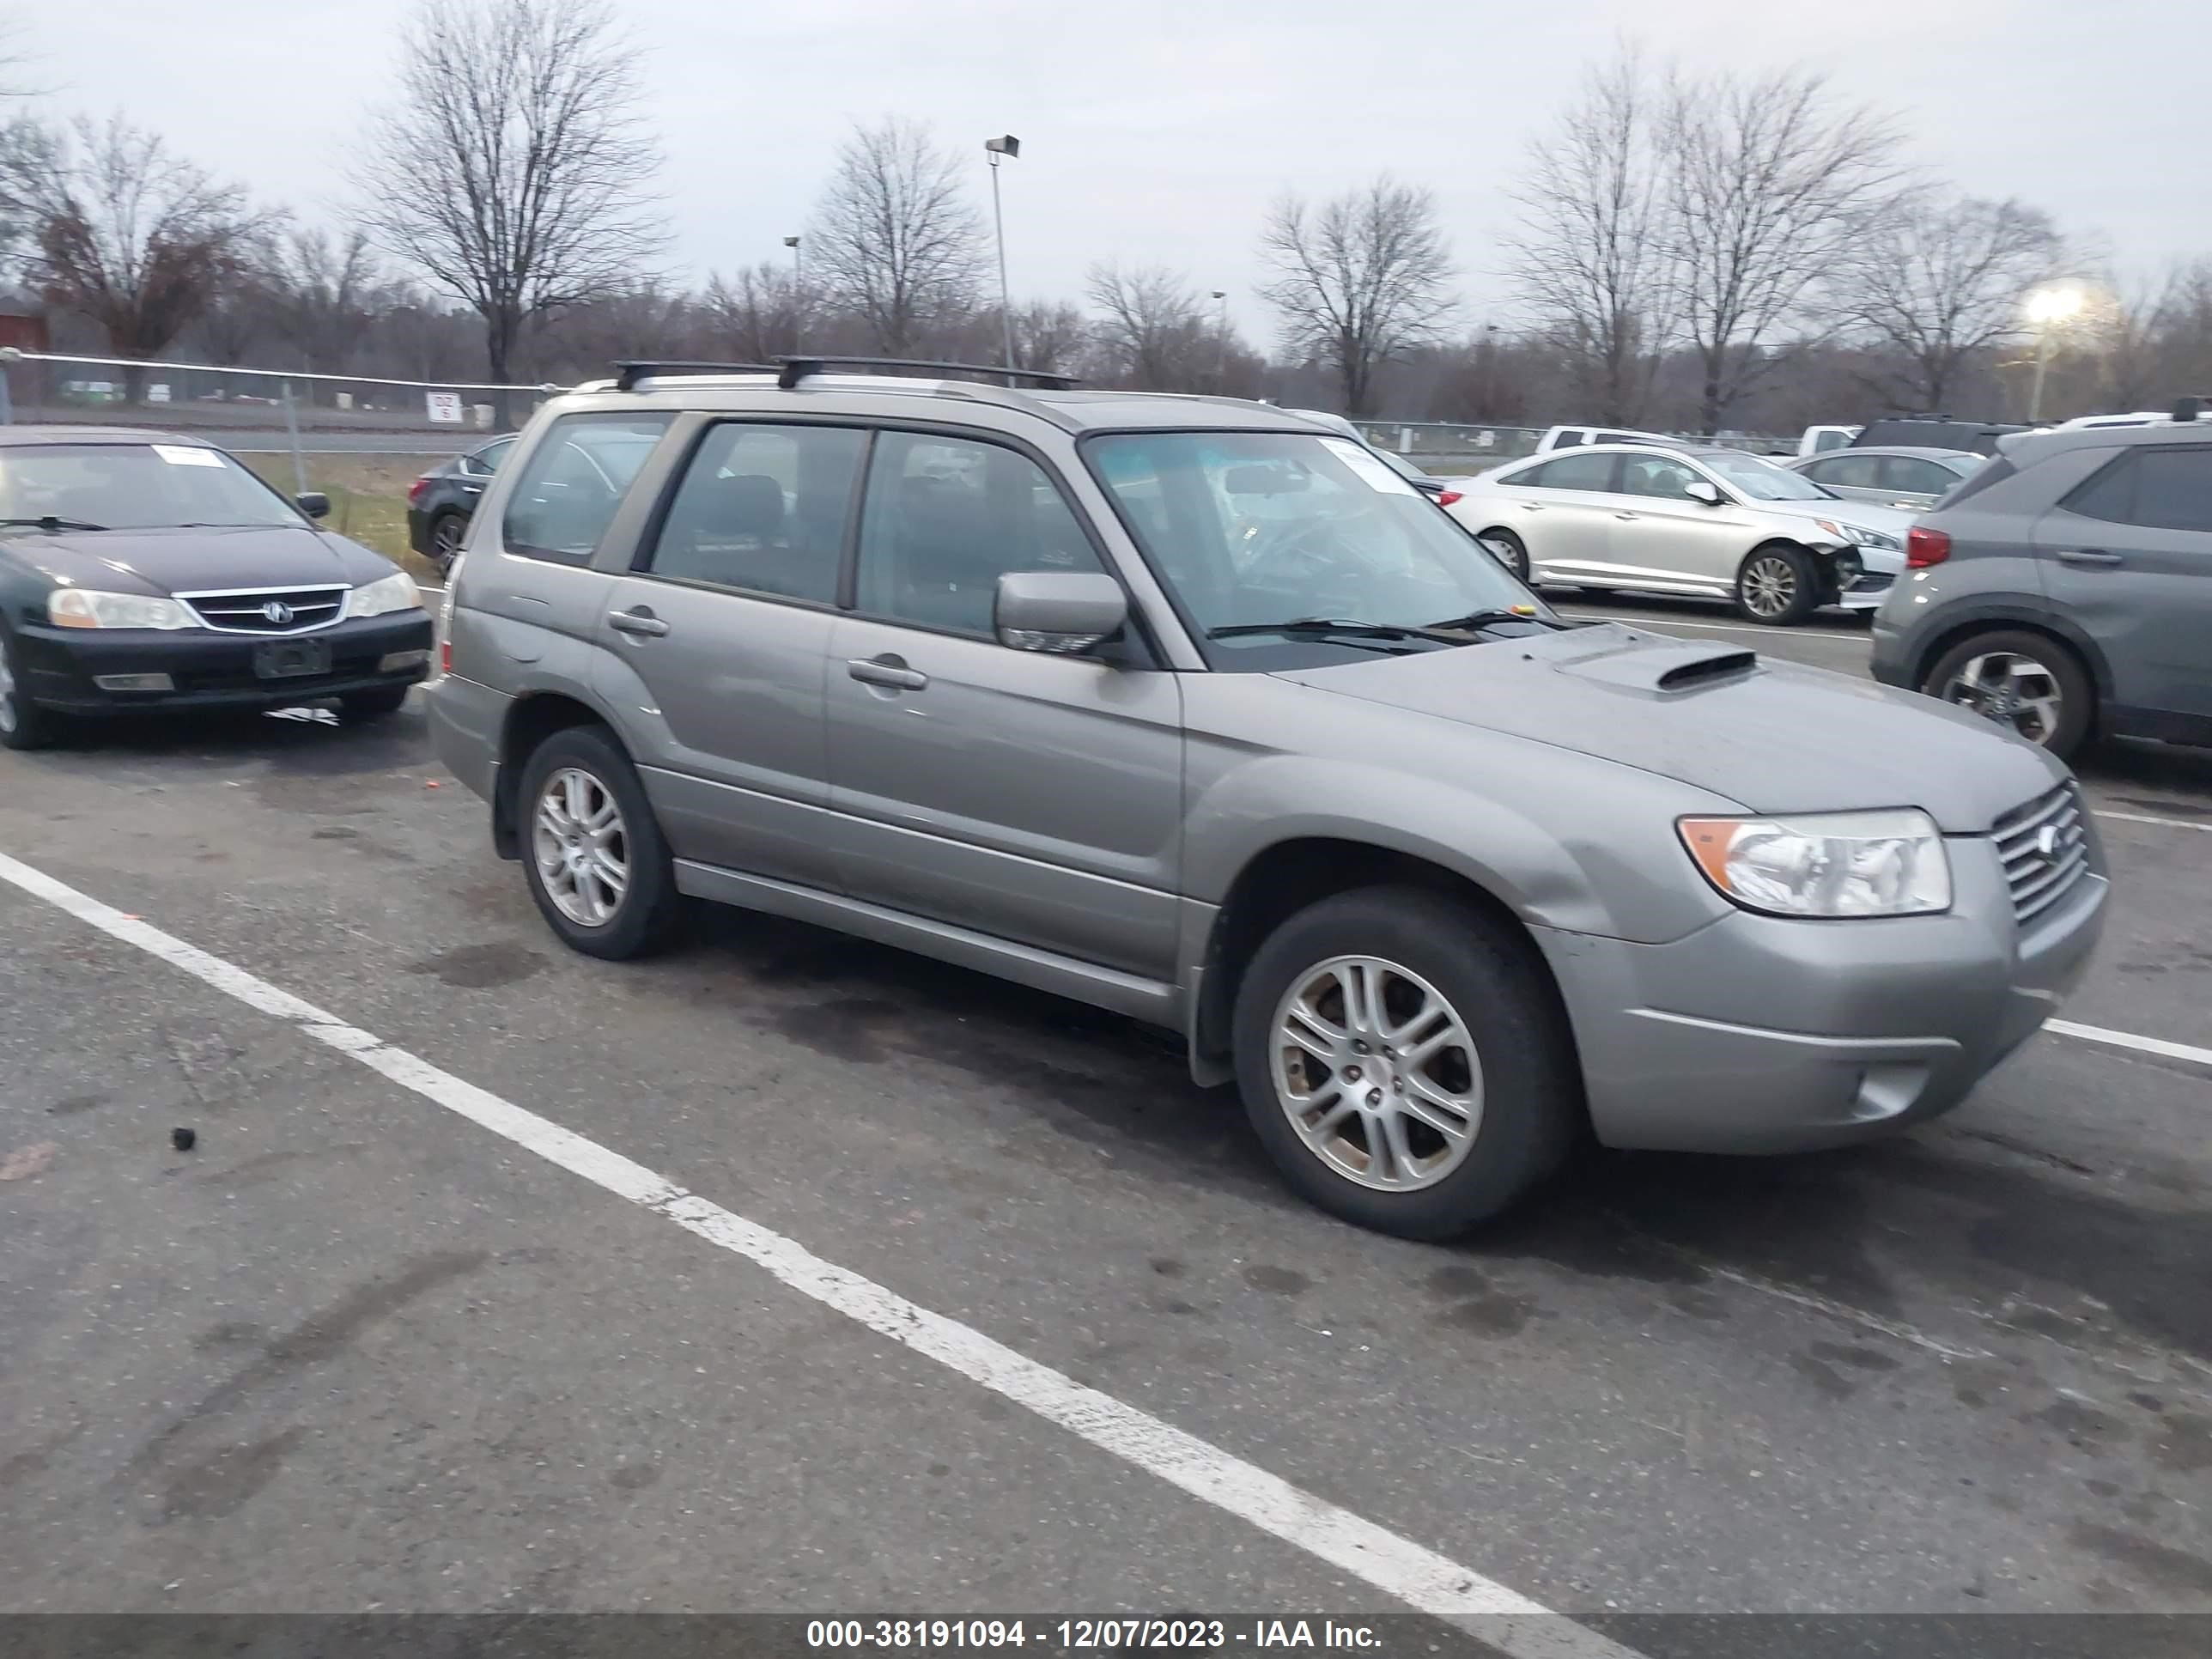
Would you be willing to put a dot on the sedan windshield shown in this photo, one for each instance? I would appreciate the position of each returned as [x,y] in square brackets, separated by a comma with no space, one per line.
[133,486]
[1763,481]
[1257,528]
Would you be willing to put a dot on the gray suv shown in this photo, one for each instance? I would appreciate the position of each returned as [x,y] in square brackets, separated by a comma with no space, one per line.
[2065,589]
[1197,713]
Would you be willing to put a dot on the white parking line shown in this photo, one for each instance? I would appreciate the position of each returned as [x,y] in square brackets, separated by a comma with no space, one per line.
[2144,818]
[1717,628]
[2142,1045]
[1417,1576]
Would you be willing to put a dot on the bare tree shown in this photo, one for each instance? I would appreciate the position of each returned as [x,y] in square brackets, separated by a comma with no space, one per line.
[1053,336]
[120,230]
[321,291]
[1360,280]
[1589,264]
[1936,279]
[759,313]
[895,239]
[1153,328]
[514,170]
[1769,181]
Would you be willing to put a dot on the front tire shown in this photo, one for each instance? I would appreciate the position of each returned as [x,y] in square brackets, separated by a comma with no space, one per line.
[372,705]
[1403,1059]
[593,852]
[2026,682]
[23,723]
[1778,584]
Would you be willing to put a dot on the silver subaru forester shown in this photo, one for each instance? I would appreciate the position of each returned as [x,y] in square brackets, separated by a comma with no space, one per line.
[1184,708]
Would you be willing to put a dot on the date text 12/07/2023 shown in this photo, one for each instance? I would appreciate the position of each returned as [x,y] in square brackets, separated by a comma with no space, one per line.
[895,1635]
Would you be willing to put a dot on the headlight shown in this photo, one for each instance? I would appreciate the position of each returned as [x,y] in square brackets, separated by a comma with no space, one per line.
[1860,536]
[78,607]
[1826,864]
[394,593]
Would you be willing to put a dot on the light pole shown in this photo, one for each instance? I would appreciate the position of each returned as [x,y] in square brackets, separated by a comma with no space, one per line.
[2048,309]
[798,292]
[1009,147]
[1220,339]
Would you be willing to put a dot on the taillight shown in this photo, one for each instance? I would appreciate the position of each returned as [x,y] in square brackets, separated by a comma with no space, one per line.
[1925,547]
[415,490]
[1448,497]
[446,656]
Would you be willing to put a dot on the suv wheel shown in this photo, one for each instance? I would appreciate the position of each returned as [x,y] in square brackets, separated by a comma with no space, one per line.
[1778,584]
[595,859]
[2025,681]
[1402,1062]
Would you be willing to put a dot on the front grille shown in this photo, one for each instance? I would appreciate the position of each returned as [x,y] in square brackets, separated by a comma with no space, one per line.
[243,679]
[247,611]
[2041,868]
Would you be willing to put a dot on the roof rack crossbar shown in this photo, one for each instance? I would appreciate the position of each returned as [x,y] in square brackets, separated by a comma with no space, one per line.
[794,369]
[629,371]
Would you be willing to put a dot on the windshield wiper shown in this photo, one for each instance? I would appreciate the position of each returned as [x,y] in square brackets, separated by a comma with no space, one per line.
[49,522]
[1475,619]
[1336,628]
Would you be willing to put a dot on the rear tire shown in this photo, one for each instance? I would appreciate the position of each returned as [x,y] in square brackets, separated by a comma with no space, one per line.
[1512,551]
[447,531]
[572,875]
[374,705]
[23,723]
[1778,584]
[1437,966]
[2027,683]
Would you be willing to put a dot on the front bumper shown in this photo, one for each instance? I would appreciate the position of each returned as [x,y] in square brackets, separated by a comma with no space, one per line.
[63,666]
[1757,1034]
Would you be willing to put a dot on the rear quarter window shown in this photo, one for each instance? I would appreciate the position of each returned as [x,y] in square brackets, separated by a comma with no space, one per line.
[567,491]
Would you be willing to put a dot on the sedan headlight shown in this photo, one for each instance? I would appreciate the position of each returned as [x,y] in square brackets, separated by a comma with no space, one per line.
[394,593]
[79,607]
[1826,864]
[1860,536]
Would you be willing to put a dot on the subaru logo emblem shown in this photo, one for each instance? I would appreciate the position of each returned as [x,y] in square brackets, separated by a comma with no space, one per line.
[2046,842]
[278,612]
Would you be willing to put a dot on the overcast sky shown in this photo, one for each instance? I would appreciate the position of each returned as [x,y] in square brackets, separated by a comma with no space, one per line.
[1155,132]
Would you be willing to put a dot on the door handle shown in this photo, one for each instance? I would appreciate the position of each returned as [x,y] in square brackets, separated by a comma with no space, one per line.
[887,670]
[1532,507]
[2087,555]
[1624,515]
[640,621]
[471,490]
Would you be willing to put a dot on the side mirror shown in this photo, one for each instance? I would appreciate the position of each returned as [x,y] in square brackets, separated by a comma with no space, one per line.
[313,503]
[1699,489]
[1060,611]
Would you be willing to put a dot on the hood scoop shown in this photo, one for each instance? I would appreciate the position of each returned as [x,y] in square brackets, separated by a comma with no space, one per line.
[1686,666]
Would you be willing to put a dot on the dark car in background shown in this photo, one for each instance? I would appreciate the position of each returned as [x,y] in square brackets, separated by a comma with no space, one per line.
[1933,432]
[2065,589]
[141,570]
[441,503]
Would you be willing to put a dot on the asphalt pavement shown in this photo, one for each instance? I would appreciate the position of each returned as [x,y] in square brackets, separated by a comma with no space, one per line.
[789,1272]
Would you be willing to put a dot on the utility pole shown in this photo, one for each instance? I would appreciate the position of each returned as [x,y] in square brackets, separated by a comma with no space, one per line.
[798,292]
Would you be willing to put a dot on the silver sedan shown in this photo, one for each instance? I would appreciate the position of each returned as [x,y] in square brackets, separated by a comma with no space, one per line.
[1911,478]
[1706,523]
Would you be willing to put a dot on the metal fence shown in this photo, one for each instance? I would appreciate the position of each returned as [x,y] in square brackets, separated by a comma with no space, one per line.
[261,410]
[1447,447]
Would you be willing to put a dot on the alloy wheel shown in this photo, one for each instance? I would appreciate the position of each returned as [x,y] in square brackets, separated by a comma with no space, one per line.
[1770,586]
[2010,689]
[1377,1073]
[445,539]
[581,847]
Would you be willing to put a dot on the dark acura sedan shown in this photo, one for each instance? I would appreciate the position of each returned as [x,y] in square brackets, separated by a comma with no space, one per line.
[141,570]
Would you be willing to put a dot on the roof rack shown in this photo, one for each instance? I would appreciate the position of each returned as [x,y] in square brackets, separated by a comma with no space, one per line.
[798,368]
[630,370]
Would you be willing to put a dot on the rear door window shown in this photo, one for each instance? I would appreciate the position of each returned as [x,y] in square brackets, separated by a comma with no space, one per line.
[1571,472]
[763,509]
[574,481]
[1914,475]
[1848,472]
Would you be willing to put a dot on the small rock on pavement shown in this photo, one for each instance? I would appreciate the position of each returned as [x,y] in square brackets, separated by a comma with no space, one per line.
[183,1139]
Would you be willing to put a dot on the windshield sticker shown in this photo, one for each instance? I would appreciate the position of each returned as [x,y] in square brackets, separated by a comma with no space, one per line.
[178,455]
[1370,472]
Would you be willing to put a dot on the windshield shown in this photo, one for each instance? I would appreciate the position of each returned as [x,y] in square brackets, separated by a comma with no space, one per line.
[1255,527]
[134,487]
[1763,481]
